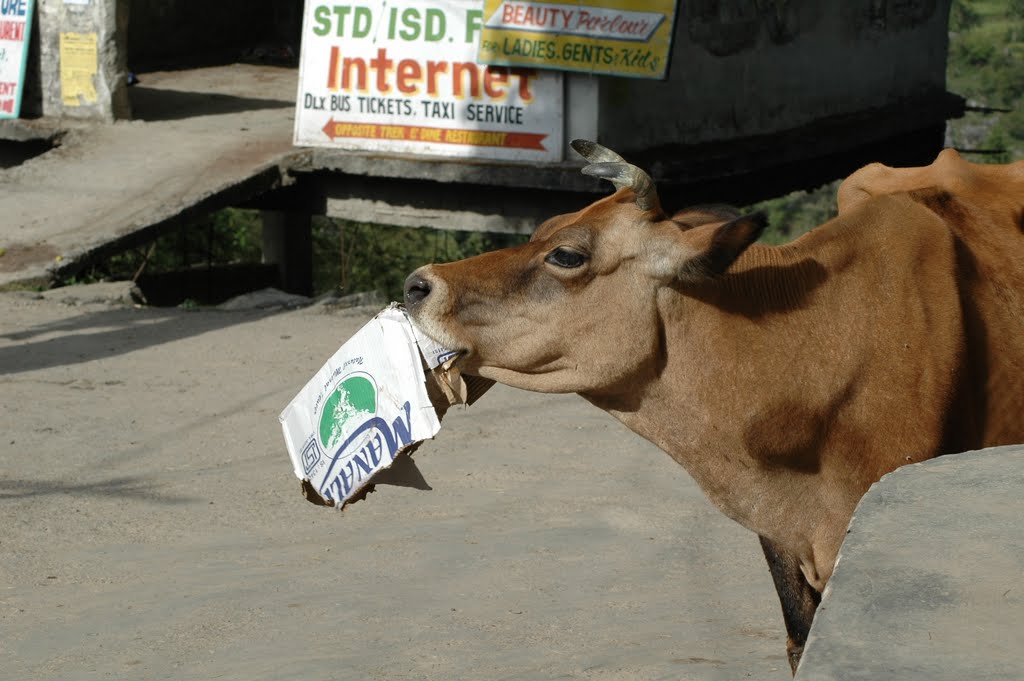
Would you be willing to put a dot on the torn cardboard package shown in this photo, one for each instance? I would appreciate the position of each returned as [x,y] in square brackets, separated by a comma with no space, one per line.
[358,420]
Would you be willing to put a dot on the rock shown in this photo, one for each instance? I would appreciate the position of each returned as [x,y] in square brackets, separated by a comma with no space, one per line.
[927,584]
[373,299]
[265,299]
[106,293]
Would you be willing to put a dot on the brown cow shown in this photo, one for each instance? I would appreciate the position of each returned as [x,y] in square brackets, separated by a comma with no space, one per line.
[785,379]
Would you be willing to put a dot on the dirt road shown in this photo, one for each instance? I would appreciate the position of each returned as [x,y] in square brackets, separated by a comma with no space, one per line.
[151,527]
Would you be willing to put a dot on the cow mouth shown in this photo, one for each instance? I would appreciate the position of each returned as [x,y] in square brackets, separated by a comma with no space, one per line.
[427,327]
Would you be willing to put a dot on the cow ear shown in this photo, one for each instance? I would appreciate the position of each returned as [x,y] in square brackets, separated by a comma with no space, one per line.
[719,249]
[695,216]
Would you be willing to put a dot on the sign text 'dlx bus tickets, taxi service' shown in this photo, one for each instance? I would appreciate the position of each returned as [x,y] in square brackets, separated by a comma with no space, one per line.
[403,76]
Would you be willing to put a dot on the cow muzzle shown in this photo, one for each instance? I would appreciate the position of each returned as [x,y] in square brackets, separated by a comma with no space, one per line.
[427,302]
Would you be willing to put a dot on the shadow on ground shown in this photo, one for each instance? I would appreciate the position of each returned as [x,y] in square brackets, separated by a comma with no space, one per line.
[153,104]
[109,333]
[116,488]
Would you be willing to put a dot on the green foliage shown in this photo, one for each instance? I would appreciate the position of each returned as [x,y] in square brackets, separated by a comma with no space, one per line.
[234,235]
[963,15]
[797,213]
[1012,124]
[229,235]
[998,142]
[972,50]
[986,65]
[350,257]
[1003,81]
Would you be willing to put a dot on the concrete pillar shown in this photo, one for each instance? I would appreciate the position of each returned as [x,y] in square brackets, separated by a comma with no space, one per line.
[83,59]
[288,243]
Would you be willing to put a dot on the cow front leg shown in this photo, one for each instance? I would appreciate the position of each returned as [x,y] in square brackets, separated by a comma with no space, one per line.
[798,598]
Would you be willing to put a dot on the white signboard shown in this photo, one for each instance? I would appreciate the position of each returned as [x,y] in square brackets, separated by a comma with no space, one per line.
[402,76]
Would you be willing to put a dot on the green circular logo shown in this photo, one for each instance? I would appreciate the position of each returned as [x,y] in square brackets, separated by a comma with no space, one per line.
[354,396]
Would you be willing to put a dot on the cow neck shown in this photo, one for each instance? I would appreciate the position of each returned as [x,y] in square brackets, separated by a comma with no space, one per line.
[724,378]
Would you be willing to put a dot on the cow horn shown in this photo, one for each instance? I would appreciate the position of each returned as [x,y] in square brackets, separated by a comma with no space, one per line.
[608,165]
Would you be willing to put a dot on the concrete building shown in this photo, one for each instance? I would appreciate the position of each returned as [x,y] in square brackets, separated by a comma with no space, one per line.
[760,99]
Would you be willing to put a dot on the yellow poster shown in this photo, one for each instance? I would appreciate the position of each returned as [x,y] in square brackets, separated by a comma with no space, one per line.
[615,37]
[78,66]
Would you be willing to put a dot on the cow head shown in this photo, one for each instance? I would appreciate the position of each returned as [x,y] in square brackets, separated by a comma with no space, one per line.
[580,307]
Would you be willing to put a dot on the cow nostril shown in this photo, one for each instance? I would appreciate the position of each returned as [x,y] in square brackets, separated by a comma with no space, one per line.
[416,289]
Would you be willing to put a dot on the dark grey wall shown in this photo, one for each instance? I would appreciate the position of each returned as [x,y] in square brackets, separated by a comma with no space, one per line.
[180,33]
[741,68]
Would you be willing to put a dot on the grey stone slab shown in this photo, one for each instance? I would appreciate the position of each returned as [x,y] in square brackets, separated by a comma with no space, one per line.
[265,299]
[108,292]
[930,580]
[202,141]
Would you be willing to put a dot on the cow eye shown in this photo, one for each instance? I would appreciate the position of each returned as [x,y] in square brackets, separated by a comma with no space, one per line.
[567,258]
